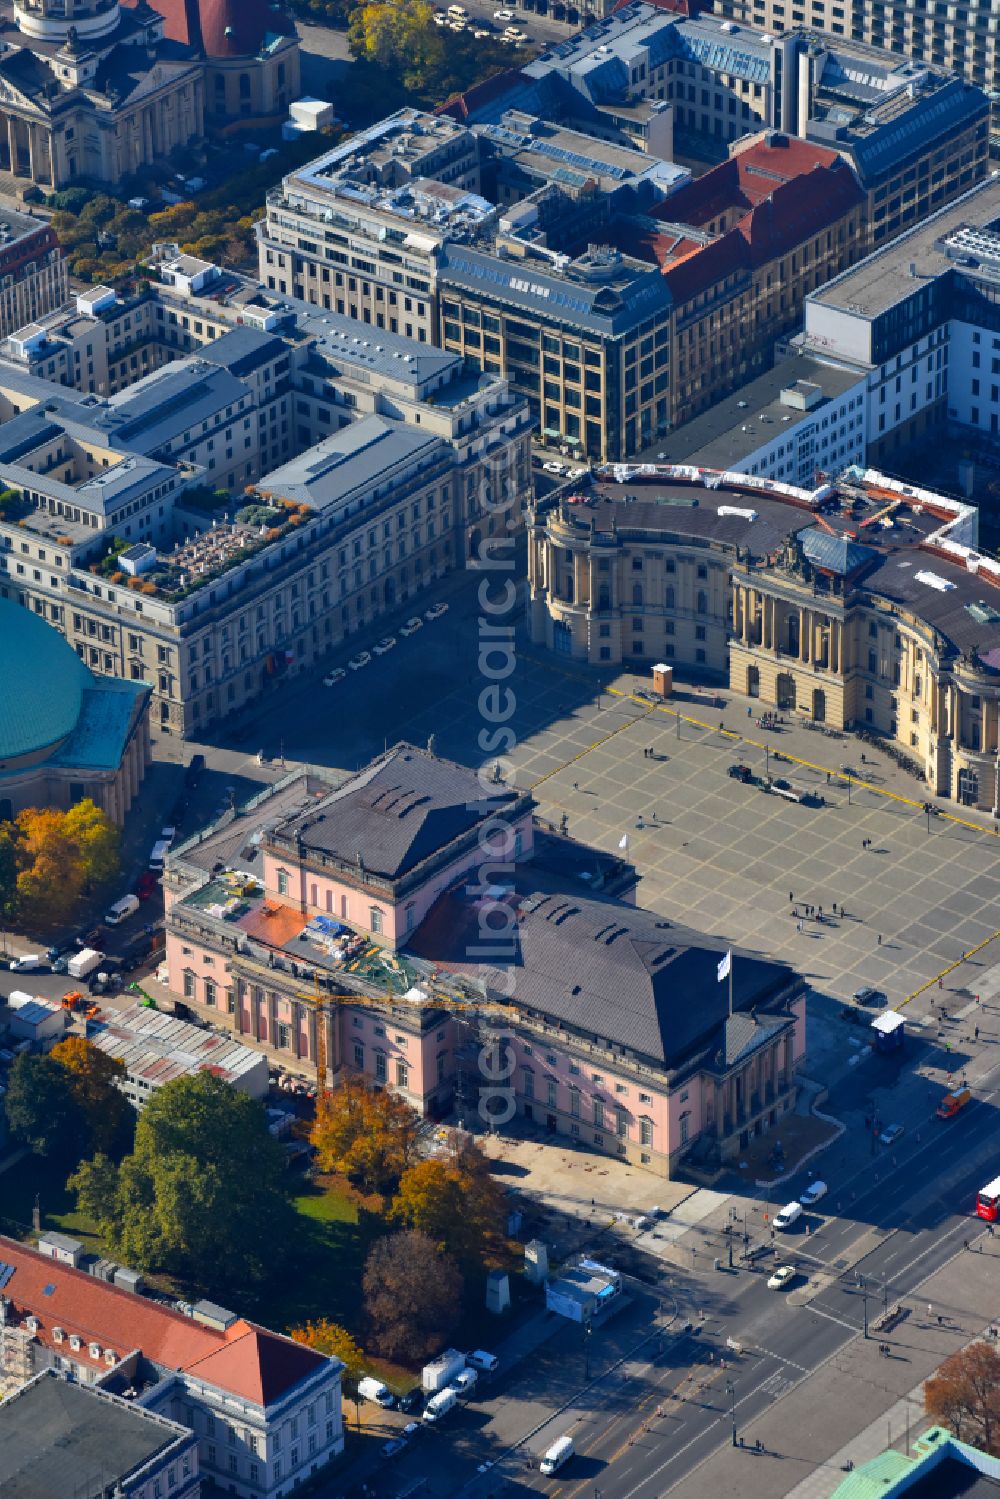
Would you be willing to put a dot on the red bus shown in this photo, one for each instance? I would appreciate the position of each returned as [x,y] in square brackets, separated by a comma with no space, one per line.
[988,1201]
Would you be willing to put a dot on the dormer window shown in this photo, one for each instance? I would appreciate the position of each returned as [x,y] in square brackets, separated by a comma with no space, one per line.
[57,1335]
[95,1350]
[33,1324]
[110,1357]
[74,1342]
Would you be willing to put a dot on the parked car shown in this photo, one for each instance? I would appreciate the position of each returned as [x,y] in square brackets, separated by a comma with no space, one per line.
[790,1213]
[122,910]
[814,1193]
[169,833]
[436,610]
[741,773]
[146,884]
[891,1133]
[332,678]
[781,1277]
[412,626]
[360,660]
[503,15]
[393,1448]
[486,1363]
[866,995]
[412,1402]
[384,646]
[374,1389]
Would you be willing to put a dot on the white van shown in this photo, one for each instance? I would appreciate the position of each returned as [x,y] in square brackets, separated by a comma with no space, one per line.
[814,1193]
[440,1404]
[122,910]
[789,1214]
[159,854]
[374,1389]
[486,1363]
[557,1456]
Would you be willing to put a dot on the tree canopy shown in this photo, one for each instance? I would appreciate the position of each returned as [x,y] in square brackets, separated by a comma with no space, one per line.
[202,1195]
[368,1134]
[412,1296]
[42,1111]
[964,1394]
[458,1205]
[92,1077]
[57,857]
[427,62]
[329,1337]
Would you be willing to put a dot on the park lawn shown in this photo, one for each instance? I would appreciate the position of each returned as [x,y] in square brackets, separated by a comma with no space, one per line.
[31,1176]
[321,1270]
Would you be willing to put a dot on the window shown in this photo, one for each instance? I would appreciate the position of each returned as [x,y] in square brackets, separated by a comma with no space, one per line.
[402,1075]
[380,1066]
[376,916]
[598,1113]
[645,1131]
[282,881]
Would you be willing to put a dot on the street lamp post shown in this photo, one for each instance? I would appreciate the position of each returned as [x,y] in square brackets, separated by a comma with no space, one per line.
[864,1293]
[588,1332]
[731,1392]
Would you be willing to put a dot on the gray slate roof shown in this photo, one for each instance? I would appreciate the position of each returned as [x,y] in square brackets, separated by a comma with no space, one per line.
[626,975]
[835,554]
[399,811]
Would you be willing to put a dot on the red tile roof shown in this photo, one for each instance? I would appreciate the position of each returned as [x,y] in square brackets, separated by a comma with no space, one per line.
[223,28]
[246,1360]
[461,106]
[751,176]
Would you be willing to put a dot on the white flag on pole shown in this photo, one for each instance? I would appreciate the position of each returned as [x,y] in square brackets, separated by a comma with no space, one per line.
[725,965]
[623,841]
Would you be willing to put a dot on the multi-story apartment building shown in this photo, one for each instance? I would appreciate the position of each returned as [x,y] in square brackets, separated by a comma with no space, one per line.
[358,231]
[265,1411]
[740,248]
[423,933]
[391,427]
[33,278]
[798,422]
[918,323]
[53,1427]
[960,38]
[792,595]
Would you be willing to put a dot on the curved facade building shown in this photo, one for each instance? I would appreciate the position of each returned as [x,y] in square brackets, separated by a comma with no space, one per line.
[863,605]
[251,54]
[65,734]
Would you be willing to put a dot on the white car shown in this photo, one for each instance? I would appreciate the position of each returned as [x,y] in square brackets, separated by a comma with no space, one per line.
[440,19]
[480,34]
[515,36]
[578,473]
[360,660]
[412,626]
[503,15]
[813,1193]
[384,646]
[782,1275]
[456,25]
[332,678]
[436,611]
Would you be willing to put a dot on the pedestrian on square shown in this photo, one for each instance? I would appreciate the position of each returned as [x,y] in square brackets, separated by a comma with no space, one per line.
[791,895]
[880,939]
[977,1033]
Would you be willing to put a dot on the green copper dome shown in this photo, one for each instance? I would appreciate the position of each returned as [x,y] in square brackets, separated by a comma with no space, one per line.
[41,683]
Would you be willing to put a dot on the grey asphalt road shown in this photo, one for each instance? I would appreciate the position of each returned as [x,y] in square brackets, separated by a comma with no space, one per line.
[644,1432]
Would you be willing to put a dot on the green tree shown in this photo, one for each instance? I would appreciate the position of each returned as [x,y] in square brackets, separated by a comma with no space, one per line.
[93,1079]
[367,1133]
[413,1296]
[8,872]
[202,1196]
[41,1110]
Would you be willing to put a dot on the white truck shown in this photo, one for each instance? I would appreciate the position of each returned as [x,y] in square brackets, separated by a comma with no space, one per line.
[84,962]
[439,1405]
[442,1370]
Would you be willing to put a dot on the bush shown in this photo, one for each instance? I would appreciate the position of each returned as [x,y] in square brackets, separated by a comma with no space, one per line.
[258,515]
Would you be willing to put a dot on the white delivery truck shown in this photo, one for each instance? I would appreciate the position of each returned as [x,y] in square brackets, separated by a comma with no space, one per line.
[557,1456]
[84,962]
[442,1370]
[440,1404]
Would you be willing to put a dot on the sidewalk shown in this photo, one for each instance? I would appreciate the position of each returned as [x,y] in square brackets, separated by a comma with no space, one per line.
[813,1429]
